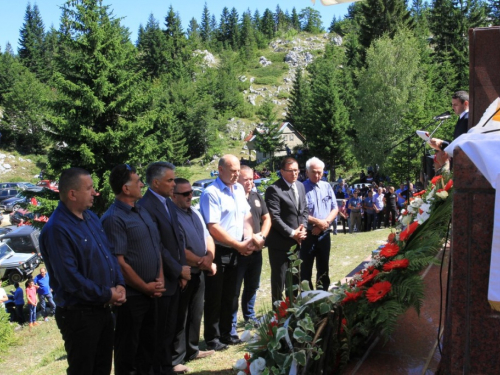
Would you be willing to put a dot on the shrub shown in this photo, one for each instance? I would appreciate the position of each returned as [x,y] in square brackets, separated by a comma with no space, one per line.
[6,332]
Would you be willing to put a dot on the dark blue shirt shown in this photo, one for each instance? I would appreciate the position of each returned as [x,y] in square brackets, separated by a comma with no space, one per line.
[78,258]
[133,234]
[19,296]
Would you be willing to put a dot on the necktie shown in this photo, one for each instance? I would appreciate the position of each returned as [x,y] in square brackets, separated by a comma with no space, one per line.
[296,195]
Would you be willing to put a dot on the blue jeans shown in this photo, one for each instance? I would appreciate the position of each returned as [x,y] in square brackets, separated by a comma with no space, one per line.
[249,269]
[32,316]
[44,299]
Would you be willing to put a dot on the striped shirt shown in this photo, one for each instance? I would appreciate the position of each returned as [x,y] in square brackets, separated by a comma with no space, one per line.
[133,234]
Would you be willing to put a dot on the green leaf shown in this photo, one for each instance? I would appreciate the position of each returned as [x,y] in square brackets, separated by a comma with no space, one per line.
[300,357]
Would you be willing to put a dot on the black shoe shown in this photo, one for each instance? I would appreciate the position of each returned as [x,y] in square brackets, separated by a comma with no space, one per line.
[216,345]
[230,340]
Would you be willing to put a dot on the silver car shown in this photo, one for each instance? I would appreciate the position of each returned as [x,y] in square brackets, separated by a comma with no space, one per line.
[16,267]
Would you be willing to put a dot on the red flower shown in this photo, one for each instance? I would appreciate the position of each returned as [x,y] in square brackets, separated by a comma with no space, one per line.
[282,309]
[352,297]
[247,358]
[419,194]
[367,277]
[402,263]
[389,250]
[448,185]
[378,291]
[436,179]
[272,323]
[404,235]
[391,237]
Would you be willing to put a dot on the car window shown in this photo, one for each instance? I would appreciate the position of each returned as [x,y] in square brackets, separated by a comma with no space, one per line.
[4,250]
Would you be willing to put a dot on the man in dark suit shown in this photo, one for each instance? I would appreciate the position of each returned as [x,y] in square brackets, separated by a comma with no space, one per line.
[286,203]
[460,105]
[160,178]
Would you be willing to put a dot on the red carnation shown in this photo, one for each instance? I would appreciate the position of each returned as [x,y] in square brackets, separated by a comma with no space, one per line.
[282,308]
[391,237]
[404,235]
[402,263]
[448,185]
[436,179]
[352,297]
[419,194]
[367,277]
[389,250]
[272,323]
[378,291]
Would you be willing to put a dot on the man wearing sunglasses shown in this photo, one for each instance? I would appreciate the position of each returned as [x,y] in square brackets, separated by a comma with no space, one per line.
[200,252]
[227,215]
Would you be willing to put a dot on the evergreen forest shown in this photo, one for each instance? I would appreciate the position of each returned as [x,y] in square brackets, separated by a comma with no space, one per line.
[84,94]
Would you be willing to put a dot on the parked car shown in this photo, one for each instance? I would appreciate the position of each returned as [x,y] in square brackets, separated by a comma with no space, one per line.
[23,240]
[203,183]
[16,267]
[30,187]
[4,231]
[52,185]
[19,186]
[8,193]
[20,215]
[12,204]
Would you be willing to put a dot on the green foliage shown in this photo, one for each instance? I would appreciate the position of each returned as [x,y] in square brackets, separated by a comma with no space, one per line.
[7,337]
[31,41]
[270,140]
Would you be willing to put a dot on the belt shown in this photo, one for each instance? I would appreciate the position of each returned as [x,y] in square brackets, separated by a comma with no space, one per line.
[83,307]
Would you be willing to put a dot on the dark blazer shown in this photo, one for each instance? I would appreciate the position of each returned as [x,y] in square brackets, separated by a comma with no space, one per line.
[462,126]
[285,217]
[173,254]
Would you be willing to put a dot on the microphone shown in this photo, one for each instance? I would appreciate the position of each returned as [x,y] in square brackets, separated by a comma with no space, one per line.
[443,116]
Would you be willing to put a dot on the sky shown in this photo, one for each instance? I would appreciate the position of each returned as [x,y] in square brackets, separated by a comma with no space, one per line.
[136,12]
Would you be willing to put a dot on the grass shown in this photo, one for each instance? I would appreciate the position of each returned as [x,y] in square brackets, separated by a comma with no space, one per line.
[40,350]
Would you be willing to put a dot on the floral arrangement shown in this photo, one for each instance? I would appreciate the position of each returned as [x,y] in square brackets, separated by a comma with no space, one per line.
[314,332]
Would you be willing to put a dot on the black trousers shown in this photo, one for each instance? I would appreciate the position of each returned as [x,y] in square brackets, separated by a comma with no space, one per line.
[167,323]
[187,336]
[392,212]
[88,339]
[219,294]
[278,259]
[316,247]
[137,335]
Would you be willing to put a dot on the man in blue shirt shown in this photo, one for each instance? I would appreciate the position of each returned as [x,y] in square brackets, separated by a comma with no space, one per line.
[44,292]
[227,215]
[19,302]
[322,205]
[85,276]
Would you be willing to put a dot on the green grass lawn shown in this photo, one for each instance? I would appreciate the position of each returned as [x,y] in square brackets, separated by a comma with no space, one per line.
[40,350]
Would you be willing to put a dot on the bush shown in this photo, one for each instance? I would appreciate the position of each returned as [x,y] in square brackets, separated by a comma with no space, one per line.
[6,332]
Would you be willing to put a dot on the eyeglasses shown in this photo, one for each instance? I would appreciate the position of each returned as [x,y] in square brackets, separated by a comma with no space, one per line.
[291,170]
[186,193]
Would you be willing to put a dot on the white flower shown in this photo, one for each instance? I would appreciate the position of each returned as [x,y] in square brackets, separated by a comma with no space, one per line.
[426,207]
[442,194]
[240,364]
[406,220]
[257,366]
[431,195]
[411,210]
[403,211]
[246,336]
[416,203]
[241,373]
[422,217]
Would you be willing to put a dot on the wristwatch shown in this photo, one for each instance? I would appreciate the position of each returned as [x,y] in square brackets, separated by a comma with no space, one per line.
[263,237]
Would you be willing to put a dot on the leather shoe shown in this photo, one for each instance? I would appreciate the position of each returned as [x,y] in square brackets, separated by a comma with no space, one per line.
[216,345]
[204,354]
[180,369]
[230,340]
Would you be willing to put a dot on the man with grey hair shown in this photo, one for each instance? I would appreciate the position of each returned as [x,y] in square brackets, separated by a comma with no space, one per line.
[160,177]
[322,205]
[227,214]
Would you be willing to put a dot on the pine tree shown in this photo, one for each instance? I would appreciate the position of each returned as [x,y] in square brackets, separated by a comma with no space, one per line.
[178,55]
[152,46]
[328,118]
[193,33]
[299,102]
[247,38]
[234,30]
[311,20]
[31,41]
[10,71]
[205,28]
[270,140]
[495,12]
[267,24]
[383,17]
[99,114]
[294,20]
[223,32]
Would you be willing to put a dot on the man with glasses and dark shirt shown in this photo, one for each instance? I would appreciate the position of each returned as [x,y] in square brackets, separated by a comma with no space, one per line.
[287,205]
[200,252]
[85,276]
[136,244]
[323,210]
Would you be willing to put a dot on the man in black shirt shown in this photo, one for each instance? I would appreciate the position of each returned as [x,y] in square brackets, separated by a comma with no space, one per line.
[390,200]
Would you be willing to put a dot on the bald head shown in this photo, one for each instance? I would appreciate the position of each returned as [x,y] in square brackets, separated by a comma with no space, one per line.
[229,169]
